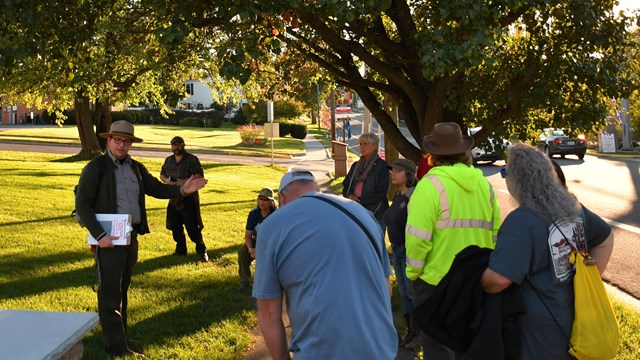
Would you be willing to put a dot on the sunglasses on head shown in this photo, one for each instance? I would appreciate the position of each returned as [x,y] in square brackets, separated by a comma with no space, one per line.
[503,172]
[297,173]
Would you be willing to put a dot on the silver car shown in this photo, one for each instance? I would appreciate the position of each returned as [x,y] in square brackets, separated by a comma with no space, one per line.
[556,142]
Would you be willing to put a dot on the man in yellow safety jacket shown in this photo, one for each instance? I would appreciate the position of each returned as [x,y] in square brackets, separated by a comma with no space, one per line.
[452,207]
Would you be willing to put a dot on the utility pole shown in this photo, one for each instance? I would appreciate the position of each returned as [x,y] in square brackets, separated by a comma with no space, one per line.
[319,105]
[271,127]
[627,135]
[333,114]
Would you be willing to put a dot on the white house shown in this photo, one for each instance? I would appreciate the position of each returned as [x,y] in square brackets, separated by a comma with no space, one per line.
[199,95]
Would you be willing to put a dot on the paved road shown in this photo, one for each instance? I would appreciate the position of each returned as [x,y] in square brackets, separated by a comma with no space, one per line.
[608,187]
[315,158]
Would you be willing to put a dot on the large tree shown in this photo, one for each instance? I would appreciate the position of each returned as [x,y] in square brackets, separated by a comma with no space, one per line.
[73,53]
[509,66]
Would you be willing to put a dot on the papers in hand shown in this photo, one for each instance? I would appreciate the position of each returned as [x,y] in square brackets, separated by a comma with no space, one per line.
[116,225]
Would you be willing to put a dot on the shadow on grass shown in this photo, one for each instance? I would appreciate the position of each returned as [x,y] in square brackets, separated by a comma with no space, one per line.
[210,166]
[162,262]
[22,265]
[40,220]
[76,158]
[200,307]
[217,302]
[31,173]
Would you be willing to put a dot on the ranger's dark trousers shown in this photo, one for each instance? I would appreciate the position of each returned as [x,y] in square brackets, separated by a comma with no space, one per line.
[115,269]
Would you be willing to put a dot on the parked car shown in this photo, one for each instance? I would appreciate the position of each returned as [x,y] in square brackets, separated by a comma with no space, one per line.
[556,142]
[489,150]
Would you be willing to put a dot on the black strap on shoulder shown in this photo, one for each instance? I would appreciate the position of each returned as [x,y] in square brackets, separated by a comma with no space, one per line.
[356,220]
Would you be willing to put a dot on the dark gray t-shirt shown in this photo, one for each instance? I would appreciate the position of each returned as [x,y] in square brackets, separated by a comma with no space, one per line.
[531,252]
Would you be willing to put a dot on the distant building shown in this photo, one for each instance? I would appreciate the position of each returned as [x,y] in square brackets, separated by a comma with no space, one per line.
[199,95]
[20,114]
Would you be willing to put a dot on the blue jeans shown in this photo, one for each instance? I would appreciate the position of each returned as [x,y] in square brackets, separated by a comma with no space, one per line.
[404,284]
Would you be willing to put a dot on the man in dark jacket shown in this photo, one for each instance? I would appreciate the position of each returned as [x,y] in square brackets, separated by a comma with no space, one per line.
[368,179]
[183,212]
[116,184]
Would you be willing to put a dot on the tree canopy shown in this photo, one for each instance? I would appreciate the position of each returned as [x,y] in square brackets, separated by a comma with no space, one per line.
[510,66]
[70,53]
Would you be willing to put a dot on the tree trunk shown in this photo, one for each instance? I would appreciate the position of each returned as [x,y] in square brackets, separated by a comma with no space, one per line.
[103,122]
[88,140]
[391,131]
[314,118]
[390,151]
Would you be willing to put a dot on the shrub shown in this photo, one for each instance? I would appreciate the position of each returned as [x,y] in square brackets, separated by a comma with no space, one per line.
[217,118]
[191,121]
[287,109]
[249,133]
[122,115]
[135,116]
[256,112]
[71,117]
[152,116]
[285,129]
[240,118]
[298,131]
[144,117]
[284,109]
[51,117]
[48,118]
[216,106]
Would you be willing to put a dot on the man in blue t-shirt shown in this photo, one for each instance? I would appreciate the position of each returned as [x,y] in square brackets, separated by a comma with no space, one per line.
[335,278]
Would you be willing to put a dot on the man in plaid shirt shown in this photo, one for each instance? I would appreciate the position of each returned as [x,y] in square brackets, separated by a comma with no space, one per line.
[184,212]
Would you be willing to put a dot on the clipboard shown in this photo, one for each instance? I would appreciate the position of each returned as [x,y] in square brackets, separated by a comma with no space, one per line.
[116,225]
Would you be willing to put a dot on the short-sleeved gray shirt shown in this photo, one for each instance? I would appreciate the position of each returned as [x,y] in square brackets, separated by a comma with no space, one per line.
[533,253]
[335,283]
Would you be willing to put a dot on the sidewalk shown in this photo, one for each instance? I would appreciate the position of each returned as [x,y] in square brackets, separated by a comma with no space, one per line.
[315,159]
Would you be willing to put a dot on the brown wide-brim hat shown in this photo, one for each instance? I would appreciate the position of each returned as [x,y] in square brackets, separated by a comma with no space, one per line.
[121,128]
[446,139]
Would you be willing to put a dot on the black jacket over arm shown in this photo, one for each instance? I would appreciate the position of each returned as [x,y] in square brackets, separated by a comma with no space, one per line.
[461,316]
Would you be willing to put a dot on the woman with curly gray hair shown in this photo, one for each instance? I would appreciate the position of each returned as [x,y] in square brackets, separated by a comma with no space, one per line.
[532,251]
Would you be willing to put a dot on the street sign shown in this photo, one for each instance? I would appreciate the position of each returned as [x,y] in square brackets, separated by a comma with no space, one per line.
[608,143]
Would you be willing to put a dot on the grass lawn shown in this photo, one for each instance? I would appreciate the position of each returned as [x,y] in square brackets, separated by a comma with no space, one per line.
[223,139]
[179,308]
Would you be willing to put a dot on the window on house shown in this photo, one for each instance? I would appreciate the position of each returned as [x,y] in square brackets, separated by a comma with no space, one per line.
[189,87]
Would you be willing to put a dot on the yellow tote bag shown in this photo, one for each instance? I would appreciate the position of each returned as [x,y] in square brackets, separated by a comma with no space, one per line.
[595,334]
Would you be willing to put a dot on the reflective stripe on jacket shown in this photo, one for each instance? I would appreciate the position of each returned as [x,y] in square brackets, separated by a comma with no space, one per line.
[451,208]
